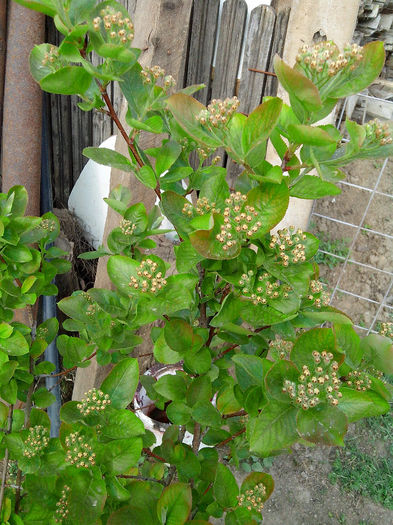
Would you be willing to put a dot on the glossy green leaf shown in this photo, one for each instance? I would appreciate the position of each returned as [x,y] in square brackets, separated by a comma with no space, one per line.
[186,109]
[163,353]
[43,398]
[271,202]
[367,70]
[249,370]
[171,387]
[87,493]
[15,344]
[146,176]
[206,414]
[276,376]
[121,382]
[178,413]
[48,7]
[357,405]
[273,430]
[109,157]
[318,339]
[323,424]
[311,135]
[7,371]
[311,187]
[378,350]
[225,488]
[118,456]
[69,80]
[174,504]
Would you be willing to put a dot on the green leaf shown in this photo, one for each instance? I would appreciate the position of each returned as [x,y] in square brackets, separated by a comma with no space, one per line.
[28,282]
[171,387]
[258,127]
[348,342]
[318,339]
[18,254]
[8,392]
[311,187]
[69,80]
[227,402]
[303,94]
[121,382]
[180,336]
[7,371]
[43,398]
[271,203]
[367,70]
[163,353]
[205,243]
[179,413]
[206,414]
[174,504]
[87,493]
[152,125]
[276,376]
[311,135]
[378,350]
[165,156]
[73,349]
[39,417]
[249,370]
[359,404]
[43,6]
[146,176]
[172,205]
[5,330]
[323,424]
[70,413]
[239,516]
[109,157]
[225,488]
[118,456]
[16,344]
[273,430]
[185,109]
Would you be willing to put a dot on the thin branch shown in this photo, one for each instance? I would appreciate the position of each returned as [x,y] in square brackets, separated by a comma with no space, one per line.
[196,440]
[6,457]
[65,372]
[261,71]
[140,478]
[152,455]
[232,347]
[235,414]
[230,438]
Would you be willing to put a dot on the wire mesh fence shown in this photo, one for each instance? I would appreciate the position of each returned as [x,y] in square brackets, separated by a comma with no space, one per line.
[356,231]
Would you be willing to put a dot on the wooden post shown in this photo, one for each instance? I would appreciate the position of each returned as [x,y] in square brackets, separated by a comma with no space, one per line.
[162,34]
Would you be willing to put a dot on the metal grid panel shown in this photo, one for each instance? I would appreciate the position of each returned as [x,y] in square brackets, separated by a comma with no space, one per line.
[357,228]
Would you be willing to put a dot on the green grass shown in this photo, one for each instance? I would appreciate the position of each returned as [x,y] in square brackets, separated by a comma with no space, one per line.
[333,246]
[366,474]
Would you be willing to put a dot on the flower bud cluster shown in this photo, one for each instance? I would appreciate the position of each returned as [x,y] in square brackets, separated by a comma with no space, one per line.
[62,510]
[204,152]
[264,288]
[118,30]
[252,499]
[316,385]
[281,349]
[36,442]
[127,227]
[148,280]
[386,330]
[48,224]
[94,402]
[287,245]
[358,380]
[91,310]
[51,59]
[218,113]
[324,59]
[317,294]
[41,332]
[79,452]
[150,75]
[204,206]
[378,133]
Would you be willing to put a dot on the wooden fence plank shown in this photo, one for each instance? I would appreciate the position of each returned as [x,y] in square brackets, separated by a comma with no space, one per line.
[203,32]
[233,21]
[279,35]
[256,55]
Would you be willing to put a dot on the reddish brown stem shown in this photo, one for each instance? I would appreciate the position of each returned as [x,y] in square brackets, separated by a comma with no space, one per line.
[235,414]
[261,71]
[152,455]
[230,438]
[73,368]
